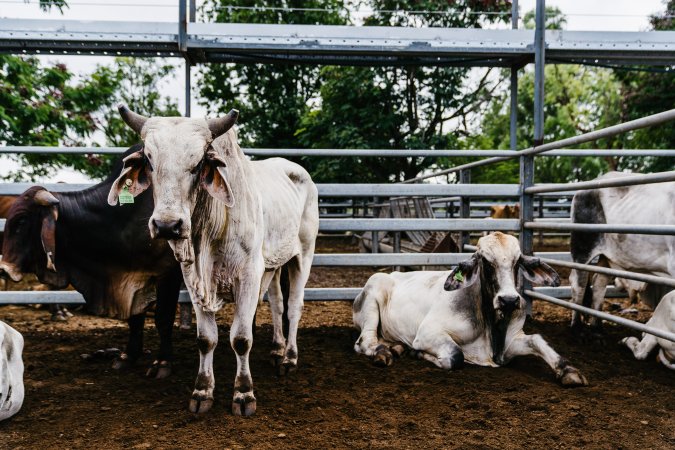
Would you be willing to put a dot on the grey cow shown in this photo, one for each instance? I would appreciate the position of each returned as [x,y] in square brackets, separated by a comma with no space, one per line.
[472,313]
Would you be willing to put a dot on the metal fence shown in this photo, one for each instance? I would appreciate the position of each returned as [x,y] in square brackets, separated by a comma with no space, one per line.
[307,44]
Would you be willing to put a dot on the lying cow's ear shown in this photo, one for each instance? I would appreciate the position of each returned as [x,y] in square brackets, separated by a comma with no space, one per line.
[213,178]
[538,272]
[137,171]
[464,275]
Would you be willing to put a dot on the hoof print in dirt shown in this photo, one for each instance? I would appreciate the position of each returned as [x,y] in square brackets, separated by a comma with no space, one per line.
[159,370]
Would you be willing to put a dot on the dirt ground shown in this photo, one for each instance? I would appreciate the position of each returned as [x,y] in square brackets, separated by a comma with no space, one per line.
[336,399]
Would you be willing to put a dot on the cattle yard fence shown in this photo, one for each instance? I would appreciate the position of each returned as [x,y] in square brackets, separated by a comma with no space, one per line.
[514,48]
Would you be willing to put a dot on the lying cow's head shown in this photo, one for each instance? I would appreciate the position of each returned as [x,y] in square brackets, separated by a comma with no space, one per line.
[178,160]
[29,244]
[496,264]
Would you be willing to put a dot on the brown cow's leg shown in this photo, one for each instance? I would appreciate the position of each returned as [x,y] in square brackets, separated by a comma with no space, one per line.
[167,298]
[134,344]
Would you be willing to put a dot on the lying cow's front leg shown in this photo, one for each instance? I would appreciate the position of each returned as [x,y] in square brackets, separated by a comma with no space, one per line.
[207,339]
[640,348]
[241,339]
[439,348]
[523,344]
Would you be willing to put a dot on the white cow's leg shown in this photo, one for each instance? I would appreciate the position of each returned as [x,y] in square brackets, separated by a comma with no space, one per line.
[523,344]
[578,283]
[207,339]
[298,273]
[241,339]
[275,296]
[599,289]
[640,348]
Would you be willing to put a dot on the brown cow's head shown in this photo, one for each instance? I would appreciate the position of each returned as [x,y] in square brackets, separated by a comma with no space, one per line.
[177,158]
[30,235]
[496,264]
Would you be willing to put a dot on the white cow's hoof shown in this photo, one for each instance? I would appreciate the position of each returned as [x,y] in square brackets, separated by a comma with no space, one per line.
[571,377]
[200,406]
[286,367]
[159,370]
[243,404]
[383,356]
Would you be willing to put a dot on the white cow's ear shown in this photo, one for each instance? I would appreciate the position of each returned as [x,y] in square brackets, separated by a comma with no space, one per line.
[464,275]
[213,178]
[538,272]
[135,177]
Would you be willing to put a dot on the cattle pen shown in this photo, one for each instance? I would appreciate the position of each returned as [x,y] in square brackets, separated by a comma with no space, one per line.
[204,43]
[306,44]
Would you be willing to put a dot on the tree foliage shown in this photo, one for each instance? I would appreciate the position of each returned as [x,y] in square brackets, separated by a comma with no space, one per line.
[48,105]
[650,92]
[353,107]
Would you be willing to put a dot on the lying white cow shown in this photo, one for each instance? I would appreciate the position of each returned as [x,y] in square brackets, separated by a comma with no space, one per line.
[232,225]
[650,254]
[472,313]
[662,319]
[11,371]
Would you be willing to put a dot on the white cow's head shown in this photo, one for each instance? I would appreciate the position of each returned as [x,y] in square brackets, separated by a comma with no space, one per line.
[496,264]
[178,160]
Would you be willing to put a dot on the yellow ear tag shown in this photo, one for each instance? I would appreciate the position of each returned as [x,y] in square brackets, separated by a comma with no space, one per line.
[458,276]
[125,196]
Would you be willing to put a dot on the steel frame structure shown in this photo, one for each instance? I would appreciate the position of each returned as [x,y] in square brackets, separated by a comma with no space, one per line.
[341,45]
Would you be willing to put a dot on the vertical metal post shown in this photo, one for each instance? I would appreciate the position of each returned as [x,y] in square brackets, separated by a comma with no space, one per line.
[188,93]
[527,162]
[182,47]
[513,129]
[464,208]
[193,10]
[375,235]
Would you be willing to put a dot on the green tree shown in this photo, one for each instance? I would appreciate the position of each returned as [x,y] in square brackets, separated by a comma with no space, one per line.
[649,92]
[577,99]
[47,105]
[40,105]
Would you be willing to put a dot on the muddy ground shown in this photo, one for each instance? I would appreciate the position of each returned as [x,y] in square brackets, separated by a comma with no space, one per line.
[336,399]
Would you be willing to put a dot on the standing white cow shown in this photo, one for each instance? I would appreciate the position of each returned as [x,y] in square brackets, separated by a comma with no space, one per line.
[651,254]
[472,313]
[662,319]
[11,371]
[232,224]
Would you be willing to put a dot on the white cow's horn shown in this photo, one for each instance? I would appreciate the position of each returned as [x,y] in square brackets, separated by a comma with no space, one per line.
[45,198]
[220,126]
[135,121]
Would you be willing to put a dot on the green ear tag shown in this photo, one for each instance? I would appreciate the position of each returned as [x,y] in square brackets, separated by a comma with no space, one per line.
[458,276]
[125,196]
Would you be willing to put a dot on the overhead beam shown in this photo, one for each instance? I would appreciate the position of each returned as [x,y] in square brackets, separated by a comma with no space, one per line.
[331,44]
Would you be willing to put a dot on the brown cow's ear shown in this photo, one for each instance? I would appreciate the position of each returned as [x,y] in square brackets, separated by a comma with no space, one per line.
[137,170]
[213,178]
[538,272]
[464,275]
[48,236]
